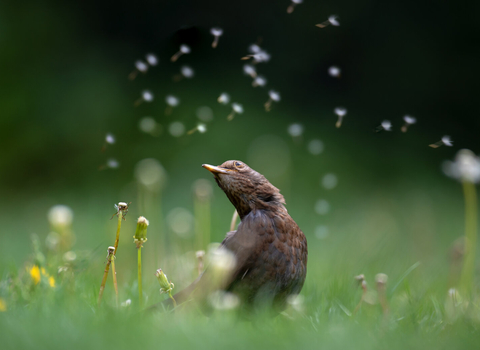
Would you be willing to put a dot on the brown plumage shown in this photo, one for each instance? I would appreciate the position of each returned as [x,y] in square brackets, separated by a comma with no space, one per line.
[270,249]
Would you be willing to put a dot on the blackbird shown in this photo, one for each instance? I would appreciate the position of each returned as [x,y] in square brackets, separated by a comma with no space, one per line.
[269,247]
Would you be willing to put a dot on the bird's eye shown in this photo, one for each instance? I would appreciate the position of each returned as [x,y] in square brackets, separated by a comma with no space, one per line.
[238,164]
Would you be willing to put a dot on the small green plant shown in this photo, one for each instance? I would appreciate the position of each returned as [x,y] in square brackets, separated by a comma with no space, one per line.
[140,238]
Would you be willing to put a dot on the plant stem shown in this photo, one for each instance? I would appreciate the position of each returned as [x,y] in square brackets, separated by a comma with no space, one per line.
[140,293]
[234,221]
[173,299]
[114,273]
[120,216]
[466,280]
[104,280]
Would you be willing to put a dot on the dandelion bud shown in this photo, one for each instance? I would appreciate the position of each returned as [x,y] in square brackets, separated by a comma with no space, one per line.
[217,33]
[444,141]
[224,98]
[165,286]
[237,108]
[184,49]
[292,5]
[273,96]
[408,121]
[340,112]
[333,20]
[334,71]
[141,232]
[385,125]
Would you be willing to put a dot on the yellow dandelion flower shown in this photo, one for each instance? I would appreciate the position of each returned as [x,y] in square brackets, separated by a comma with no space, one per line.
[35,274]
[3,305]
[43,271]
[51,281]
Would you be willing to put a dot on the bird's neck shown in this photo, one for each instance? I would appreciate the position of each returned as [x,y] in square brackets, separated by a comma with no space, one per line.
[245,204]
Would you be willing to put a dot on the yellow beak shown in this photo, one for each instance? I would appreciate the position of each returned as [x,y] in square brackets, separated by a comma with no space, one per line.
[215,169]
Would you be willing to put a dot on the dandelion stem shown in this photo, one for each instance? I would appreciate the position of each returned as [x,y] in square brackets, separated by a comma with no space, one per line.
[234,221]
[470,194]
[173,299]
[140,293]
[105,275]
[114,274]
[120,216]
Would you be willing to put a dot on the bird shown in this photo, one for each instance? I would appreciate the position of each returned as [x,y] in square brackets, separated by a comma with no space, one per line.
[270,249]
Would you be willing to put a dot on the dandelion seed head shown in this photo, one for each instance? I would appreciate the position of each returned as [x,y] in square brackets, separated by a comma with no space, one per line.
[224,98]
[172,101]
[216,31]
[315,147]
[295,130]
[147,96]
[466,167]
[340,111]
[204,113]
[321,231]
[112,163]
[143,220]
[333,19]
[141,66]
[60,215]
[409,119]
[387,125]
[180,221]
[176,129]
[322,207]
[109,138]
[187,71]
[151,59]
[147,125]
[329,181]
[447,141]
[274,95]
[260,81]
[237,107]
[184,48]
[334,71]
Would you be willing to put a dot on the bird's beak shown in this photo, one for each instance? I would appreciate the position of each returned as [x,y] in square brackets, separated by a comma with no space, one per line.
[215,169]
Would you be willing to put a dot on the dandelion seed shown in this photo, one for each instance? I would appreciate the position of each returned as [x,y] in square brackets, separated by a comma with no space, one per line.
[151,59]
[446,140]
[322,207]
[385,125]
[335,72]
[250,70]
[259,56]
[202,128]
[329,181]
[110,139]
[141,67]
[146,96]
[340,112]
[187,72]
[315,147]
[292,5]
[254,48]
[259,81]
[184,49]
[176,129]
[204,113]
[148,125]
[217,33]
[273,96]
[224,98]
[408,121]
[295,130]
[112,163]
[237,108]
[172,101]
[333,20]
[466,167]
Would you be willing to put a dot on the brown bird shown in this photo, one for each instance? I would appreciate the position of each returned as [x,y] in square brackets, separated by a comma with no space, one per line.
[269,247]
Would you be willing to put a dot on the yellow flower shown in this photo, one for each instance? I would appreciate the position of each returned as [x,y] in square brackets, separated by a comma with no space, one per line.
[3,305]
[35,274]
[51,281]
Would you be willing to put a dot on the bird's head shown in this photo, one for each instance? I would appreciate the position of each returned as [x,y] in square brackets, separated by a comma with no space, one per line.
[247,189]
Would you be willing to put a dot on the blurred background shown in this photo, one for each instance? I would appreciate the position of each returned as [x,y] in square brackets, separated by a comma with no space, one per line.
[367,202]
